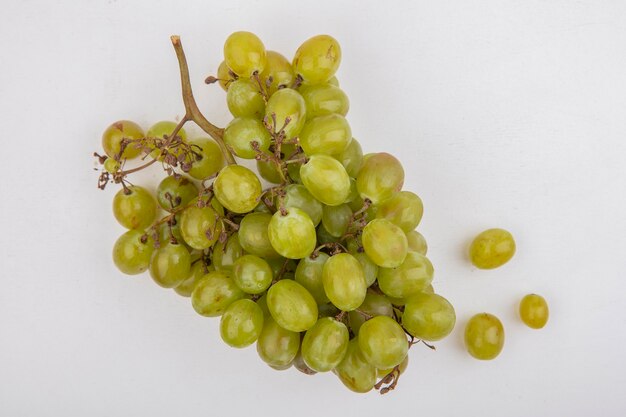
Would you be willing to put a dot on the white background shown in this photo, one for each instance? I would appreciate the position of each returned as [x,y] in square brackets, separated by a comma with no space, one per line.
[504,113]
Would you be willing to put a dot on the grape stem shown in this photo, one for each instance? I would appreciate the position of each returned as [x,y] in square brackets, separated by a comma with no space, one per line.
[389,381]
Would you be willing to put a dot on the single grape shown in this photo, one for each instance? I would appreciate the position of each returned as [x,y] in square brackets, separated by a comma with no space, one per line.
[111,165]
[328,135]
[197,272]
[344,281]
[241,323]
[296,195]
[324,99]
[132,252]
[224,76]
[225,254]
[301,366]
[169,229]
[383,342]
[113,135]
[380,177]
[283,104]
[279,69]
[292,235]
[207,159]
[328,310]
[277,346]
[214,293]
[336,219]
[269,171]
[253,235]
[352,159]
[134,207]
[199,226]
[317,59]
[403,209]
[533,310]
[252,274]
[428,316]
[492,248]
[292,306]
[384,243]
[402,367]
[354,371]
[323,236]
[411,277]
[325,344]
[333,81]
[370,269]
[175,192]
[309,275]
[244,53]
[244,99]
[417,242]
[170,265]
[242,132]
[280,265]
[484,336]
[237,188]
[326,179]
[373,305]
[162,130]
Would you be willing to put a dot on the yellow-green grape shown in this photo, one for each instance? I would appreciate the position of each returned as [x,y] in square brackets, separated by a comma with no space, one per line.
[336,219]
[169,229]
[170,265]
[244,53]
[262,303]
[199,227]
[292,306]
[111,165]
[354,200]
[380,177]
[533,310]
[373,305]
[492,248]
[244,99]
[383,342]
[280,71]
[293,170]
[277,346]
[417,242]
[223,75]
[429,289]
[283,104]
[326,179]
[324,99]
[225,254]
[370,269]
[411,277]
[241,323]
[317,59]
[252,274]
[241,132]
[402,367]
[344,281]
[279,265]
[134,207]
[323,236]
[296,195]
[208,158]
[333,81]
[282,368]
[354,371]
[325,344]
[484,336]
[214,293]
[197,272]
[428,316]
[132,252]
[163,130]
[327,310]
[113,135]
[301,366]
[384,243]
[309,275]
[269,171]
[404,209]
[253,235]
[292,235]
[237,188]
[352,158]
[175,192]
[328,135]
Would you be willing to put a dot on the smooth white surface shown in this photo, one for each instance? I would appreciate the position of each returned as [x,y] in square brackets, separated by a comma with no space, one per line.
[505,114]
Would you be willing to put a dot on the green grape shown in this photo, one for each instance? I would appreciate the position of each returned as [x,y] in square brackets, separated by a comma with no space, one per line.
[282,368]
[199,226]
[336,219]
[384,243]
[323,99]
[333,81]
[175,192]
[292,306]
[484,336]
[293,170]
[380,177]
[208,158]
[326,179]
[134,207]
[354,200]
[252,274]
[279,265]
[383,342]
[325,344]
[428,316]
[373,305]
[328,135]
[492,248]
[533,310]
[170,265]
[253,235]
[162,130]
[244,99]
[403,209]
[429,289]
[327,310]
[323,236]
[292,235]
[111,165]
[301,366]
[241,323]
[237,188]
[352,159]
[198,271]
[268,171]
[317,59]
[226,254]
[354,371]
[262,303]
[244,53]
[344,281]
[169,229]
[309,275]
[283,104]
[223,75]
[296,195]
[113,135]
[411,277]
[417,242]
[370,269]
[277,346]
[214,293]
[402,367]
[279,69]
[132,252]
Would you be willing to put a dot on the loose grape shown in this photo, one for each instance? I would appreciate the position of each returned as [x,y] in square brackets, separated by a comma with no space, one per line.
[344,281]
[352,159]
[403,209]
[533,310]
[244,99]
[292,235]
[309,275]
[214,293]
[277,346]
[279,69]
[336,219]
[253,235]
[237,188]
[354,371]
[174,192]
[241,132]
[197,272]
[411,277]
[199,226]
[223,75]
[383,342]
[370,269]
[132,252]
[317,59]
[170,265]
[384,243]
[417,242]
[428,316]
[328,135]
[283,104]
[252,274]
[324,99]
[241,323]
[225,254]
[292,306]
[373,305]
[380,177]
[111,165]
[296,195]
[208,158]
[326,179]
[484,336]
[244,53]
[325,344]
[134,207]
[113,135]
[492,248]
